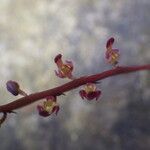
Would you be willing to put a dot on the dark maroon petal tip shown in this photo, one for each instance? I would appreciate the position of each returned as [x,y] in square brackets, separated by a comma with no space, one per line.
[110,42]
[82,94]
[98,94]
[55,109]
[39,108]
[91,95]
[12,87]
[59,74]
[42,112]
[57,58]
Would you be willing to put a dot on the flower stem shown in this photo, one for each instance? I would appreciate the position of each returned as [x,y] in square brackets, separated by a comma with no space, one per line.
[28,99]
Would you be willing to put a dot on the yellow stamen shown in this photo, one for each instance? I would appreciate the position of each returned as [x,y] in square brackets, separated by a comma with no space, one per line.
[113,57]
[90,88]
[65,69]
[49,105]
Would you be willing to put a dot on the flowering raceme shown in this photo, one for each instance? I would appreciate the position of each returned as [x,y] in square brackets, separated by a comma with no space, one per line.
[112,55]
[90,92]
[64,69]
[49,106]
[13,88]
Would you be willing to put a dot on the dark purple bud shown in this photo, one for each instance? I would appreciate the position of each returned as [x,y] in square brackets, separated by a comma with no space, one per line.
[82,94]
[12,87]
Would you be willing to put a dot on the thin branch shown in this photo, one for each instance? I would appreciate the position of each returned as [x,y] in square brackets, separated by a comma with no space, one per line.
[27,100]
[3,118]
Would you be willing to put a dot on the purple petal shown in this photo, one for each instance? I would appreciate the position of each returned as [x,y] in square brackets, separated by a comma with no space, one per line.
[110,42]
[59,74]
[98,94]
[92,95]
[107,55]
[55,109]
[70,76]
[82,94]
[42,112]
[57,58]
[69,63]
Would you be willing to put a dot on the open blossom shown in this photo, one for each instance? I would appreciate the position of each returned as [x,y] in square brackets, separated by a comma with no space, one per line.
[90,92]
[64,69]
[13,88]
[49,106]
[112,55]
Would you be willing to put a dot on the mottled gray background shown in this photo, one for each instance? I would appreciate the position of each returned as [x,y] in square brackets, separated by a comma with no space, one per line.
[33,32]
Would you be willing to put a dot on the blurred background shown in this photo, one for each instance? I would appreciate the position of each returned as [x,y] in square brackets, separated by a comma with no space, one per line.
[33,32]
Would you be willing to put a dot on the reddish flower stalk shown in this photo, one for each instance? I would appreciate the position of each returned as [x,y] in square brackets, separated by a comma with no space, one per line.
[3,118]
[27,100]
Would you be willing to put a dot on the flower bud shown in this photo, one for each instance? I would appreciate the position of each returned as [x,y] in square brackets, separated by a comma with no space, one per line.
[13,88]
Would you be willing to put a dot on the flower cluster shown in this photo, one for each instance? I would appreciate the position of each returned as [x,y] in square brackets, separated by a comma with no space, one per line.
[49,106]
[65,69]
[112,55]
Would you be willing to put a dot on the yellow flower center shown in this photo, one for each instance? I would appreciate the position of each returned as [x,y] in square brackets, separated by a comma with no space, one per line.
[114,57]
[65,69]
[48,105]
[90,88]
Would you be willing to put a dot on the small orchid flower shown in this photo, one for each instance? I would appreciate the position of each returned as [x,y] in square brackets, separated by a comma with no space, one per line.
[90,92]
[13,88]
[49,106]
[112,55]
[64,69]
